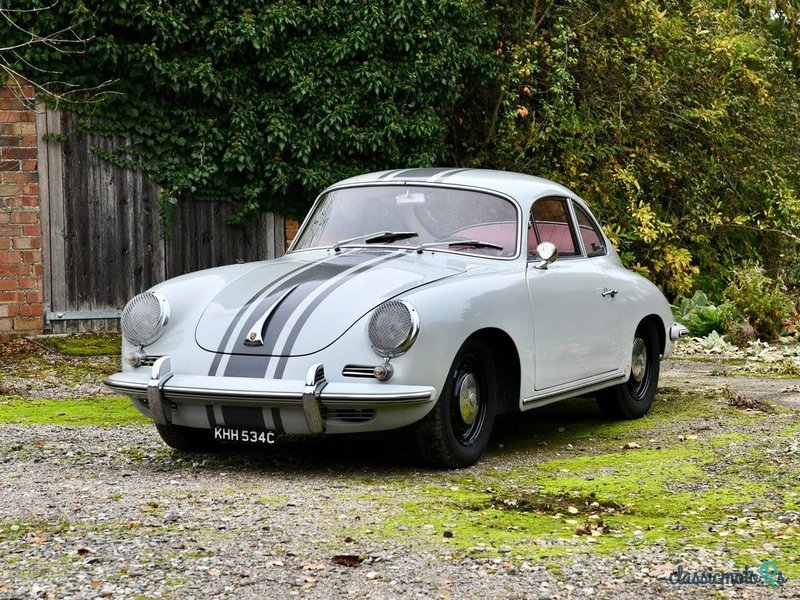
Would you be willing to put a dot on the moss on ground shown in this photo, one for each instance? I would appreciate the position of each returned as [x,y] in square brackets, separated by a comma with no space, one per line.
[99,411]
[83,344]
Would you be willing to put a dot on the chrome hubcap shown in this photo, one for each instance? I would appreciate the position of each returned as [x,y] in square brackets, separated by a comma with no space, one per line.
[468,398]
[638,360]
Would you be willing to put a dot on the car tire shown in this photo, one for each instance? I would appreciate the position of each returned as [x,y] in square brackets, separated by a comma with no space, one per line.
[186,439]
[632,399]
[456,431]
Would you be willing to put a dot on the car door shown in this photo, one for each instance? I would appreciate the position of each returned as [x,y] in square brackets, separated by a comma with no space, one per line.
[575,313]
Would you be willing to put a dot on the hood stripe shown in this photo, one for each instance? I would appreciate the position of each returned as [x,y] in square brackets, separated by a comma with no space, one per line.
[301,321]
[228,332]
[254,362]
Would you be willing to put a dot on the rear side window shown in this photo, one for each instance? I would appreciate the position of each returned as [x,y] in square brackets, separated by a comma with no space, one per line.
[589,232]
[550,222]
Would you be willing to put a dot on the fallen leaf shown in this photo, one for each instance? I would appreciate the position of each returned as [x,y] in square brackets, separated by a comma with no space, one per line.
[347,560]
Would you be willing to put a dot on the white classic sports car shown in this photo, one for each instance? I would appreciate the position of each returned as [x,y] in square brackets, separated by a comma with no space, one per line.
[430,298]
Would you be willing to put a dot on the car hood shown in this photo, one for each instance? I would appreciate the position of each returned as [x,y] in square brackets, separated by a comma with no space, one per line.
[296,306]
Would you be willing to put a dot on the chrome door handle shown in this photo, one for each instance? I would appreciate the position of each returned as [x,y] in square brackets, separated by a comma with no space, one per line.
[611,293]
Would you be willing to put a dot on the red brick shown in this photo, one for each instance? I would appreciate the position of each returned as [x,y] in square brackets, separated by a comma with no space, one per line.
[7,140]
[32,256]
[30,201]
[31,310]
[7,153]
[8,284]
[12,104]
[12,230]
[30,230]
[8,117]
[27,141]
[9,310]
[28,283]
[5,243]
[5,217]
[27,243]
[8,190]
[28,324]
[11,177]
[31,189]
[24,217]
[26,117]
[19,129]
[19,269]
[38,269]
[10,257]
[17,297]
[10,165]
[28,165]
[34,297]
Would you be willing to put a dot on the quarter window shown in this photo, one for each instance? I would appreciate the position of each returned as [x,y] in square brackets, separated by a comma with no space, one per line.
[550,223]
[590,234]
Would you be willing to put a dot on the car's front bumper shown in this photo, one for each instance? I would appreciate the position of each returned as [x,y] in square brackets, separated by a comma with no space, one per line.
[292,406]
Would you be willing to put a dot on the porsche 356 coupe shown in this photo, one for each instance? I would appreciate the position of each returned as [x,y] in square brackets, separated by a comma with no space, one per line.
[433,299]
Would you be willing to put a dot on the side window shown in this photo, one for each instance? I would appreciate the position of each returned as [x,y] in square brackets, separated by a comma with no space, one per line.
[590,234]
[550,223]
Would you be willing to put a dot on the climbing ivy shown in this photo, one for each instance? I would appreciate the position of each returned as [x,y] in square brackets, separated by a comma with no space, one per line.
[265,103]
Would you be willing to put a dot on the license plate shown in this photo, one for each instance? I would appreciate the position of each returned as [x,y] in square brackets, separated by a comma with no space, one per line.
[243,436]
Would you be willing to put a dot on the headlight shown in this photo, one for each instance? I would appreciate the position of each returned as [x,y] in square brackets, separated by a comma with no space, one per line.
[144,318]
[393,328]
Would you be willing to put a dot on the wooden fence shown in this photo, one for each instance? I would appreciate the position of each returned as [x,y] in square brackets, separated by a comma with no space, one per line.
[101,231]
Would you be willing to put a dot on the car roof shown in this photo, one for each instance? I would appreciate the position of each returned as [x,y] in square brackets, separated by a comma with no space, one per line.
[523,188]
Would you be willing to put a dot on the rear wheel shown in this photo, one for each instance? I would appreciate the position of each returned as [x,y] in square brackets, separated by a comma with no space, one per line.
[187,439]
[632,399]
[456,431]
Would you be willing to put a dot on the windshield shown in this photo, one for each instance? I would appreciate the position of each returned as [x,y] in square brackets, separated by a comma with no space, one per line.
[413,216]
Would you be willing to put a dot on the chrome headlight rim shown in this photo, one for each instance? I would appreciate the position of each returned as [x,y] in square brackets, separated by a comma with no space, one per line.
[410,338]
[161,324]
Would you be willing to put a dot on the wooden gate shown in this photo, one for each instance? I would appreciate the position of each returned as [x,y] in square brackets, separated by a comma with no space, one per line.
[101,231]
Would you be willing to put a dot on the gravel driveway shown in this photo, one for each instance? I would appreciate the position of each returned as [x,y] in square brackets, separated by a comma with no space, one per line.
[88,512]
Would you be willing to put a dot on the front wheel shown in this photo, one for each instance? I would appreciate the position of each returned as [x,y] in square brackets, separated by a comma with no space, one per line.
[187,439]
[456,431]
[632,399]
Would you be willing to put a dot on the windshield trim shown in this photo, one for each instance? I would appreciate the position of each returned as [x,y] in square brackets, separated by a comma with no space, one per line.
[468,188]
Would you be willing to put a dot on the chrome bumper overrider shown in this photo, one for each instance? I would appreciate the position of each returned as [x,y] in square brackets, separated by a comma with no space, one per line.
[313,395]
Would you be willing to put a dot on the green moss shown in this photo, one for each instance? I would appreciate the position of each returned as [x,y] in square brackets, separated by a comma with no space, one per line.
[99,411]
[84,344]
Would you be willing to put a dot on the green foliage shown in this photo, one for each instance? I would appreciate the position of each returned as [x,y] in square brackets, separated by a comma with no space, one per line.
[760,299]
[701,317]
[265,103]
[676,120]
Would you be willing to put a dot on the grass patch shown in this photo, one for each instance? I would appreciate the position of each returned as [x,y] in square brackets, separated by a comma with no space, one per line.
[98,411]
[83,344]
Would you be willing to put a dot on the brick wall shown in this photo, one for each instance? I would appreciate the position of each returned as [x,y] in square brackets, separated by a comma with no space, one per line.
[20,230]
[290,227]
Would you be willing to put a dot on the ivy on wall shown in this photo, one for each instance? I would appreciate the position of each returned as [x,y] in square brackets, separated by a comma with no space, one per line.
[265,103]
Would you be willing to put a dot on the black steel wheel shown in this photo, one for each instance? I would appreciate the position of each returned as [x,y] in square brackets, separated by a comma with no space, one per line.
[632,399]
[456,431]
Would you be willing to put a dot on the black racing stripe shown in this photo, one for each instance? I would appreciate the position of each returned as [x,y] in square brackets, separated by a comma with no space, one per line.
[301,321]
[229,332]
[277,421]
[253,361]
[243,416]
[455,172]
[419,173]
[212,420]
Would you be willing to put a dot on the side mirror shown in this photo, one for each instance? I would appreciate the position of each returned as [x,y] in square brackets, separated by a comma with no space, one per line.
[547,253]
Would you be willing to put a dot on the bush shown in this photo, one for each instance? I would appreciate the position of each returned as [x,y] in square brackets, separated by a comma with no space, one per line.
[701,317]
[761,300]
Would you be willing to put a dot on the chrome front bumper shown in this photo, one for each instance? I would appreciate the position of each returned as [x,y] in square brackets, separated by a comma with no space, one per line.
[314,396]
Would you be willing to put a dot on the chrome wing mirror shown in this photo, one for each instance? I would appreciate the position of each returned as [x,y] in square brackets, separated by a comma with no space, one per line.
[547,253]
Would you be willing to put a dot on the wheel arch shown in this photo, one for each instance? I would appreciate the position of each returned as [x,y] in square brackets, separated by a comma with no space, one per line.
[658,323]
[507,366]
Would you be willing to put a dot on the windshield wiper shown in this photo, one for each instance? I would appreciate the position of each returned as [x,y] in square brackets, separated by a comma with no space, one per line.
[451,243]
[377,237]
